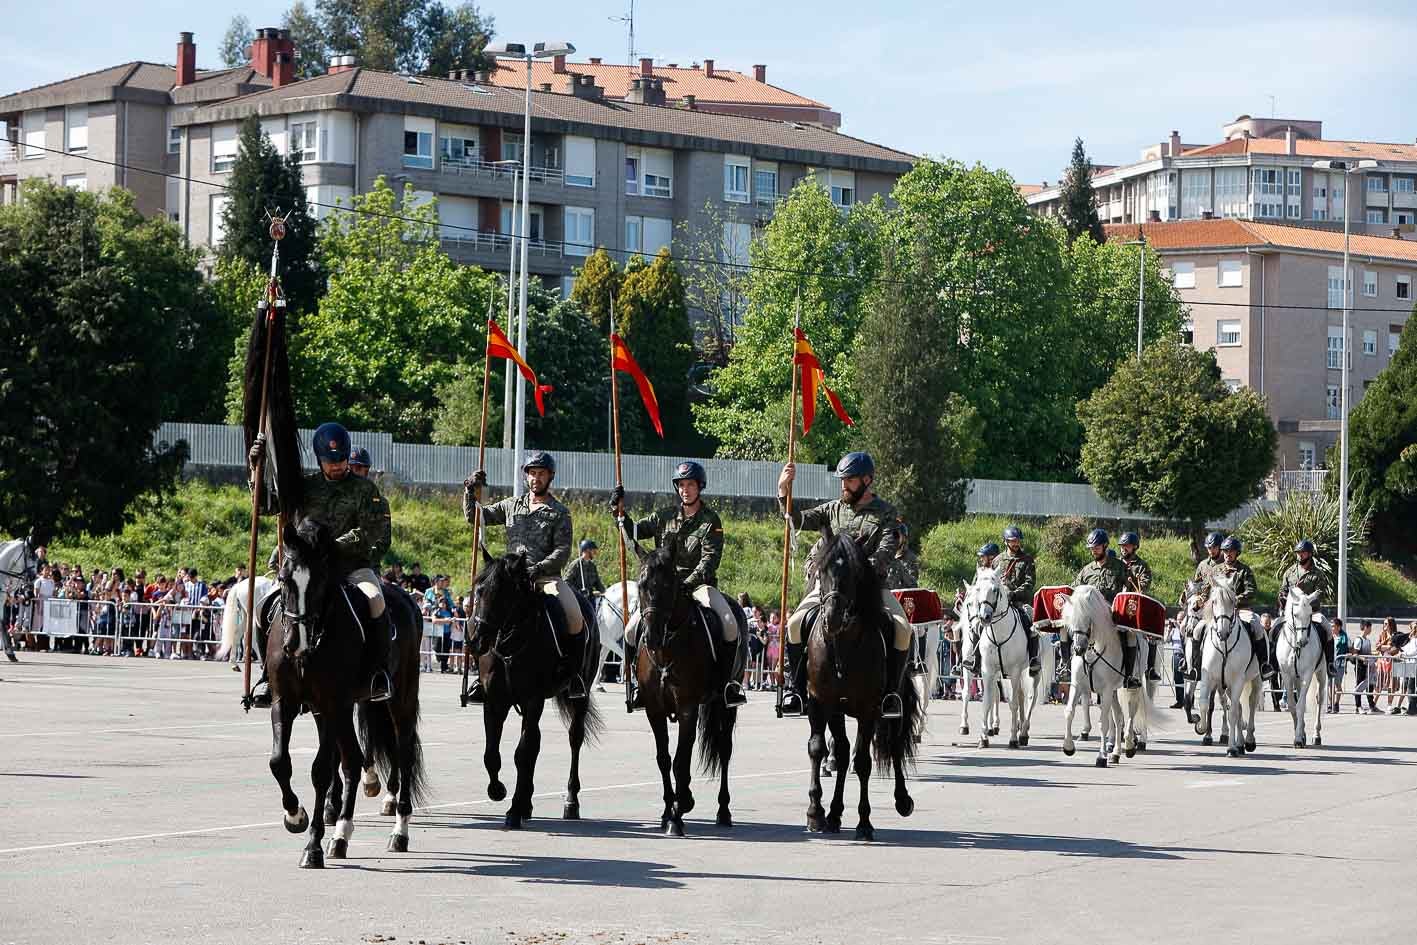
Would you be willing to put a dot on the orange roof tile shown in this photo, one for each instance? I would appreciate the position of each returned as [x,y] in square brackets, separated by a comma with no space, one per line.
[1216,234]
[1310,148]
[726,85]
[1186,234]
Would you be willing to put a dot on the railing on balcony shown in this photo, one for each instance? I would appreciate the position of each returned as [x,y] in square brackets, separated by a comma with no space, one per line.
[497,243]
[1300,480]
[473,165]
[8,151]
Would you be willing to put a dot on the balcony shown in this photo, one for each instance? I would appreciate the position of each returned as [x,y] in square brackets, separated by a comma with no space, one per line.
[8,152]
[490,250]
[475,166]
[1377,198]
[1404,200]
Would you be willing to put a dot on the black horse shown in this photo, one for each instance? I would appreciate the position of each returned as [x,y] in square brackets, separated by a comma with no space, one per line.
[313,656]
[679,681]
[846,675]
[526,657]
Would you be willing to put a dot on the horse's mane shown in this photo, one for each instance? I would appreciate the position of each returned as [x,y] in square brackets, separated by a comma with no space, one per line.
[1088,605]
[867,580]
[1220,587]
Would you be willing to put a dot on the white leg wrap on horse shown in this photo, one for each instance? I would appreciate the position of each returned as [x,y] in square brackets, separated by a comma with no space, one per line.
[371,776]
[401,826]
[344,829]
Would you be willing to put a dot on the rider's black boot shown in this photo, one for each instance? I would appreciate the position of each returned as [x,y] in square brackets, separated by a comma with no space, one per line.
[1261,644]
[1035,665]
[575,685]
[974,663]
[1193,671]
[1065,653]
[1129,659]
[632,688]
[891,707]
[794,693]
[261,693]
[380,684]
[732,689]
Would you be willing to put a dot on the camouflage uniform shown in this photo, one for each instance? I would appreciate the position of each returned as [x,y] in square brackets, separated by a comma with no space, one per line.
[584,576]
[543,533]
[904,570]
[355,512]
[1108,575]
[1016,572]
[1242,579]
[1204,570]
[1138,573]
[696,545]
[1308,580]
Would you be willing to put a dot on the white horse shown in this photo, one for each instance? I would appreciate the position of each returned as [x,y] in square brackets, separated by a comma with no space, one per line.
[233,617]
[1097,669]
[997,628]
[18,566]
[1228,666]
[1301,663]
[610,618]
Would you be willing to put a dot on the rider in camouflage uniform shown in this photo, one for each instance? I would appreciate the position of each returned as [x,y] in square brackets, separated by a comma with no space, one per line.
[1015,568]
[1109,575]
[1308,579]
[582,572]
[353,510]
[1242,579]
[1139,580]
[695,534]
[904,569]
[1200,579]
[538,526]
[872,522]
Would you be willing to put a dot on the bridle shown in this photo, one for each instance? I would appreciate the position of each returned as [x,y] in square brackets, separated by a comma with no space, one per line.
[29,562]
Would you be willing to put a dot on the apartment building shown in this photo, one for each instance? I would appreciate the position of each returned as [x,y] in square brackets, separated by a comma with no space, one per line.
[1268,299]
[1263,169]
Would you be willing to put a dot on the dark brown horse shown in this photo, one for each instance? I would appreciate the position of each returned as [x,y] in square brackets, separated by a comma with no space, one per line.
[313,660]
[679,682]
[846,675]
[526,657]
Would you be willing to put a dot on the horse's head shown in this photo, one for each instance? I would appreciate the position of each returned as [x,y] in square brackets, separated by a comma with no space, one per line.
[1223,606]
[306,578]
[1298,612]
[846,583]
[1086,616]
[659,595]
[985,601]
[503,588]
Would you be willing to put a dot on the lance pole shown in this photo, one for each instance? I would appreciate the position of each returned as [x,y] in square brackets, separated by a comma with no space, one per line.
[477,493]
[787,515]
[625,668]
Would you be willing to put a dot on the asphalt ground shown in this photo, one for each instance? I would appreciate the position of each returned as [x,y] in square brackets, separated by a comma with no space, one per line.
[139,808]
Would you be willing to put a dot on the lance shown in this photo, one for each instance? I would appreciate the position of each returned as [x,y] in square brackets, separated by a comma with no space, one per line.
[625,669]
[477,495]
[787,516]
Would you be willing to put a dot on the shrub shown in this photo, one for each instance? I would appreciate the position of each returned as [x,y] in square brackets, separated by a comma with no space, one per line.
[1061,538]
[1270,535]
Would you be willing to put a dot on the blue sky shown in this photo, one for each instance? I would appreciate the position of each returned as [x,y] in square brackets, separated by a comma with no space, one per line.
[1006,84]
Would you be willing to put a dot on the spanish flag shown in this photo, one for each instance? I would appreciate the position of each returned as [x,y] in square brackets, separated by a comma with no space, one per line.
[621,358]
[498,346]
[812,376]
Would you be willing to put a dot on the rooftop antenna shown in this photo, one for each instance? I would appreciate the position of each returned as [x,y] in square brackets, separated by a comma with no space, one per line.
[1272,102]
[629,20]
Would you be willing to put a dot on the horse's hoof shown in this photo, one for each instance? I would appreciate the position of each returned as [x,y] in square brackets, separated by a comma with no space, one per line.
[1084,736]
[1207,741]
[1225,739]
[1232,753]
[685,804]
[373,788]
[497,791]
[1250,745]
[815,824]
[1069,751]
[1013,743]
[513,821]
[1131,752]
[725,818]
[983,743]
[1101,762]
[331,817]
[1318,741]
[676,827]
[964,729]
[1115,758]
[994,730]
[339,848]
[572,811]
[390,807]
[1023,741]
[312,859]
[1141,744]
[865,832]
[1298,743]
[398,843]
[299,823]
[833,823]
[905,806]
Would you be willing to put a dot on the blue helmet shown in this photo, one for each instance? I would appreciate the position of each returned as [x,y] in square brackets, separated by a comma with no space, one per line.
[1129,538]
[1013,533]
[855,464]
[689,469]
[1304,545]
[359,456]
[331,443]
[539,459]
[1214,539]
[588,544]
[988,550]
[1231,543]
[1097,537]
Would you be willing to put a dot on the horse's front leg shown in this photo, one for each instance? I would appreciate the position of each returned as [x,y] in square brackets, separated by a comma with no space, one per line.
[816,751]
[314,855]
[351,761]
[861,763]
[1075,694]
[841,761]
[659,725]
[283,715]
[964,681]
[1294,692]
[1104,728]
[1256,694]
[1018,711]
[1114,742]
[494,717]
[988,708]
[1321,705]
[528,748]
[684,769]
[572,808]
[724,736]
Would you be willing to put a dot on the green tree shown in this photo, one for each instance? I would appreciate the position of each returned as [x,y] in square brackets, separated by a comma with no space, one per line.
[1078,202]
[409,36]
[237,287]
[1270,535]
[814,257]
[455,37]
[1382,452]
[263,182]
[715,248]
[312,56]
[236,43]
[1167,437]
[104,314]
[596,281]
[652,317]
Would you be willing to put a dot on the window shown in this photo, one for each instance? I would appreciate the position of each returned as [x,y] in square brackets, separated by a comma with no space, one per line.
[223,148]
[513,227]
[1307,452]
[76,128]
[579,230]
[1335,347]
[736,239]
[765,183]
[173,199]
[1293,211]
[735,179]
[305,141]
[634,235]
[1230,192]
[1232,384]
[457,217]
[1335,287]
[217,224]
[841,185]
[1188,332]
[174,140]
[1183,275]
[1402,185]
[1376,185]
[568,283]
[580,162]
[1195,193]
[632,173]
[32,126]
[511,146]
[1268,192]
[1267,182]
[1320,187]
[1370,284]
[1293,177]
[1393,334]
[1336,204]
[1370,341]
[418,142]
[1227,333]
[1406,217]
[1320,213]
[1228,274]
[658,173]
[1332,401]
[76,181]
[659,231]
[1403,287]
[1377,215]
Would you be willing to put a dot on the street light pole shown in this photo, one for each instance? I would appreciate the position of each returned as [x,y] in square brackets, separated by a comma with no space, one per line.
[1141,291]
[509,384]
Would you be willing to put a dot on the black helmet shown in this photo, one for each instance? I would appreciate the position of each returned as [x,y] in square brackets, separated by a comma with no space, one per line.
[855,464]
[1214,539]
[359,456]
[539,459]
[689,469]
[1013,532]
[1231,543]
[1304,545]
[588,545]
[1096,537]
[331,443]
[989,550]
[1129,538]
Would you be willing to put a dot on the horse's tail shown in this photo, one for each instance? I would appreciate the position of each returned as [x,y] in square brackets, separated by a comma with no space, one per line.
[232,618]
[590,661]
[898,735]
[716,724]
[380,738]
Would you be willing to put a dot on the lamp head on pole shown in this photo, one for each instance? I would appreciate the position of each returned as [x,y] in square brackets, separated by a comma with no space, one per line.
[538,51]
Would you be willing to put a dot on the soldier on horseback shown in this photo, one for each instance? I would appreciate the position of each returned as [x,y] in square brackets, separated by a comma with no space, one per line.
[1138,579]
[1307,578]
[1207,566]
[695,534]
[1015,568]
[904,570]
[1242,579]
[582,573]
[539,527]
[355,512]
[872,522]
[1109,575]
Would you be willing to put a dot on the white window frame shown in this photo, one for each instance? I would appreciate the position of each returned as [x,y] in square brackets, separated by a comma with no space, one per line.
[510,225]
[172,199]
[657,173]
[1404,217]
[1320,213]
[215,208]
[424,132]
[1376,185]
[658,234]
[1370,283]
[512,146]
[634,235]
[1402,288]
[580,159]
[1230,196]
[1308,453]
[1376,216]
[1370,342]
[76,133]
[1229,274]
[1334,351]
[579,239]
[1227,333]
[307,133]
[1294,180]
[225,143]
[1333,401]
[1335,287]
[32,134]
[174,138]
[1393,338]
[79,182]
[1183,275]
[1403,185]
[763,170]
[737,178]
[1188,331]
[634,166]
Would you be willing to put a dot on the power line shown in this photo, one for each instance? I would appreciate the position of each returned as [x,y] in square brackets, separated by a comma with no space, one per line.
[739,268]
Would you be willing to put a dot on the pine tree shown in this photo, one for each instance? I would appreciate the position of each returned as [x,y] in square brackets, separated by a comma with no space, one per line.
[1079,202]
[262,181]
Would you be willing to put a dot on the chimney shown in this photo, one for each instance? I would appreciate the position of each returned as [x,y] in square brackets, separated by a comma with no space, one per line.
[482,78]
[186,60]
[558,65]
[1175,150]
[689,101]
[595,60]
[1153,216]
[341,64]
[284,73]
[645,91]
[760,73]
[454,75]
[1289,138]
[263,50]
[583,86]
[646,67]
[708,68]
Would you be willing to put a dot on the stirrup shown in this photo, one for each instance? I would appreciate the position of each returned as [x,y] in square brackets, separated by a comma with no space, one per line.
[891,707]
[1153,675]
[476,692]
[380,687]
[974,664]
[261,695]
[1131,682]
[917,668]
[733,695]
[575,688]
[793,704]
[633,703]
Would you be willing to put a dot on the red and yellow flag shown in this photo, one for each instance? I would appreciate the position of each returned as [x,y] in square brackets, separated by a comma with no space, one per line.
[499,346]
[624,361]
[812,377]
